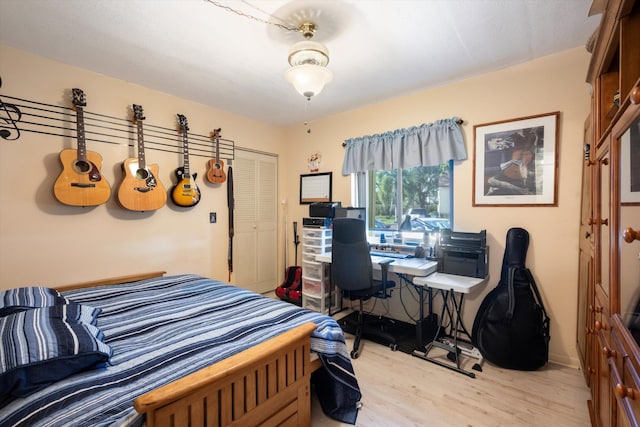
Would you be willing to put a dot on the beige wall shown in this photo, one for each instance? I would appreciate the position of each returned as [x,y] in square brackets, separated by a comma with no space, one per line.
[42,241]
[45,242]
[553,83]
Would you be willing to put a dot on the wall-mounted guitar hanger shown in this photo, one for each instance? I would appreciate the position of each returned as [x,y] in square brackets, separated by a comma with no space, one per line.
[23,115]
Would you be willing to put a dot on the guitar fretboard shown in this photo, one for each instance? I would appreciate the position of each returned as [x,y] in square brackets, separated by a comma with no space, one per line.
[82,146]
[185,153]
[141,159]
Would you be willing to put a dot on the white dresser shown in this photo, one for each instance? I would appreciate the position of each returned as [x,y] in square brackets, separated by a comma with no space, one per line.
[317,293]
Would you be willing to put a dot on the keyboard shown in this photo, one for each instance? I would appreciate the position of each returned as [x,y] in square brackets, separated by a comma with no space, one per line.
[386,254]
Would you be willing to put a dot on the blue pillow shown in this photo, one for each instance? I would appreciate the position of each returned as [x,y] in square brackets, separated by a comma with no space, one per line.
[20,299]
[44,345]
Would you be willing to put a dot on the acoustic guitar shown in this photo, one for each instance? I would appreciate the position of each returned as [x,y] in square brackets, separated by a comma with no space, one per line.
[215,174]
[81,183]
[140,189]
[185,193]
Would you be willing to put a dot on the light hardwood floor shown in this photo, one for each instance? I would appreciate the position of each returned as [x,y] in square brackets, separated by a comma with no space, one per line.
[402,390]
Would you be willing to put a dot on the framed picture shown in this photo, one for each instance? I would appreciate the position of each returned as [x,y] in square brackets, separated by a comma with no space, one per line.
[516,162]
[315,187]
[629,160]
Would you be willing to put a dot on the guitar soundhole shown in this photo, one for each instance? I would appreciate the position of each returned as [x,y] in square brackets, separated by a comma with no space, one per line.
[82,166]
[142,174]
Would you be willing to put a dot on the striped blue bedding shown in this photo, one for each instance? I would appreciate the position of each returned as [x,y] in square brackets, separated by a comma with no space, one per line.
[165,328]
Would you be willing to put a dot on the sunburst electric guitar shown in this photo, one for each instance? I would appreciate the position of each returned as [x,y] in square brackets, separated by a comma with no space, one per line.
[215,174]
[185,193]
[81,183]
[141,190]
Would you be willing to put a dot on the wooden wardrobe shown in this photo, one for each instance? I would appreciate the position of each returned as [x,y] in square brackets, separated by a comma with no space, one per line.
[609,277]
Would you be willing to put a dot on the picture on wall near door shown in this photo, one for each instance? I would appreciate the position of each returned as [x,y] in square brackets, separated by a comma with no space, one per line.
[515,162]
[315,187]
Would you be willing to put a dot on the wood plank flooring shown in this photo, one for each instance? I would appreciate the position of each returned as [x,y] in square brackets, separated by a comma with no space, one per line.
[402,390]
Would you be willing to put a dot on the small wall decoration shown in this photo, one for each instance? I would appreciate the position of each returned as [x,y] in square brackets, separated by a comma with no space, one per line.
[515,162]
[315,187]
[314,162]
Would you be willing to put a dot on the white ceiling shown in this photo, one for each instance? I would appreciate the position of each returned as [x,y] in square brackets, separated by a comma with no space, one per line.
[379,49]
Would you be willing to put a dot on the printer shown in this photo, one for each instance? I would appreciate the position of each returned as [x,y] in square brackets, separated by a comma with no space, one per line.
[321,214]
[464,254]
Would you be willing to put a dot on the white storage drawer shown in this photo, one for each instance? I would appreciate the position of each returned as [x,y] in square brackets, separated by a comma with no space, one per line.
[315,249]
[315,288]
[319,241]
[317,232]
[315,270]
[306,256]
[320,304]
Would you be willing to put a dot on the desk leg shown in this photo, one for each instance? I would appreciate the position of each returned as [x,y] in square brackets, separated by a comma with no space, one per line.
[451,342]
[420,330]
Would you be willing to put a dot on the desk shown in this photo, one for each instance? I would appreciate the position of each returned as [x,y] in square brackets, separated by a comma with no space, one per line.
[409,266]
[450,285]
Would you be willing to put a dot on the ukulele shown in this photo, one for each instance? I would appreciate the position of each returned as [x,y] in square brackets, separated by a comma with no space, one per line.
[185,193]
[81,183]
[140,190]
[215,174]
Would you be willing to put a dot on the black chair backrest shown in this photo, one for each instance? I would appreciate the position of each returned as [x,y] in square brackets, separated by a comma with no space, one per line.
[350,259]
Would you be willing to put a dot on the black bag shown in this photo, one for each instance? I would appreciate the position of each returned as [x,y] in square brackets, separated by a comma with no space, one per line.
[511,328]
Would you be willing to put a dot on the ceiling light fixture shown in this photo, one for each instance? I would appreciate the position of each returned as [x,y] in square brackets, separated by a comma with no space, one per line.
[308,59]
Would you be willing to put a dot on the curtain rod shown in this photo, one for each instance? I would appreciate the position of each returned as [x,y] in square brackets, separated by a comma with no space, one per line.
[459,121]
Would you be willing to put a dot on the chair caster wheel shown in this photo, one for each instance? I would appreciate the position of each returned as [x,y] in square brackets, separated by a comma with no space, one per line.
[477,367]
[355,354]
[393,347]
[452,356]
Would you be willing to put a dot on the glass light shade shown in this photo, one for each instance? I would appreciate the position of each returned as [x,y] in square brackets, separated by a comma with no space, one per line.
[308,52]
[307,79]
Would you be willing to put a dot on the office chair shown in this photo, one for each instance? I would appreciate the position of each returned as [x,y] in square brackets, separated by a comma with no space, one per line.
[352,273]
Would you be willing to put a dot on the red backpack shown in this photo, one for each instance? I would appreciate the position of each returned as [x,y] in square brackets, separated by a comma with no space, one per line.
[290,289]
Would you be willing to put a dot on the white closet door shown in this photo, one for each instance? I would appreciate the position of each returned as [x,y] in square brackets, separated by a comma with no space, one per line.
[255,246]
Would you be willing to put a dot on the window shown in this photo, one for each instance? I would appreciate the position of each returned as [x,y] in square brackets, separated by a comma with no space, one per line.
[414,199]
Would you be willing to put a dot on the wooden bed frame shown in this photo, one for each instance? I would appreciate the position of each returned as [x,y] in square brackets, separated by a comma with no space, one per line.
[268,384]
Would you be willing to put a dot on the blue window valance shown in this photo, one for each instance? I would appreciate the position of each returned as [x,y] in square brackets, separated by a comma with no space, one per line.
[429,144]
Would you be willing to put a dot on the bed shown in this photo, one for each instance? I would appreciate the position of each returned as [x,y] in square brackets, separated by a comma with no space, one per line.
[188,350]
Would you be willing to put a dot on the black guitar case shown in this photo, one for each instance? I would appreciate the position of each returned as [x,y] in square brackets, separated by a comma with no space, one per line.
[511,328]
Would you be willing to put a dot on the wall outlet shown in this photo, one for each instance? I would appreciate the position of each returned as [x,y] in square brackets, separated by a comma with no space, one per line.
[212,217]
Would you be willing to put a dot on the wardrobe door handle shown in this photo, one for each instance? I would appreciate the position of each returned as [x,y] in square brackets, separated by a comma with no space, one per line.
[635,95]
[629,235]
[608,352]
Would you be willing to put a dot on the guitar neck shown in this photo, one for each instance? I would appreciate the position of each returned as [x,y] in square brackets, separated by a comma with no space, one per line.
[142,164]
[82,146]
[185,154]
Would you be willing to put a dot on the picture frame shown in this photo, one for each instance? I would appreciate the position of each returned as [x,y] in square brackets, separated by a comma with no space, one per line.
[630,155]
[315,187]
[516,162]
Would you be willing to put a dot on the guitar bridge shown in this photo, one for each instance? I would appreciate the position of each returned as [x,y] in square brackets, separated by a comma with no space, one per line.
[82,185]
[142,189]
